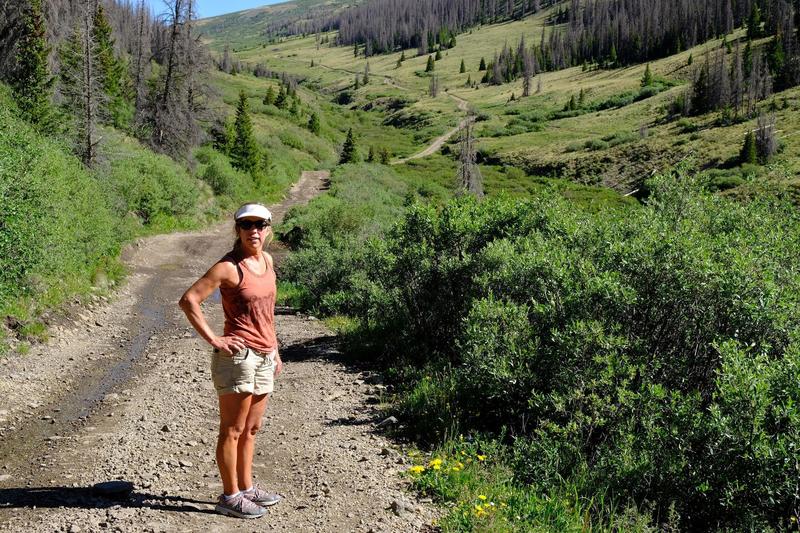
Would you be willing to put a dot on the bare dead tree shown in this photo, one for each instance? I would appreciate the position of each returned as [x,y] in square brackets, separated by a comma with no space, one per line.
[141,59]
[80,86]
[469,175]
[433,86]
[766,137]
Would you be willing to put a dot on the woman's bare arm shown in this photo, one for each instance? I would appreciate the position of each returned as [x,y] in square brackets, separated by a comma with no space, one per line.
[197,294]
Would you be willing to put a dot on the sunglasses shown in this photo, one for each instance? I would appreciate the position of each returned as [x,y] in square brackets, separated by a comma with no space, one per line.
[250,224]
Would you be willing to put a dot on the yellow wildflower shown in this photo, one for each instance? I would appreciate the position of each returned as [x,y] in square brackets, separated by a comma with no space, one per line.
[437,467]
[435,462]
[455,469]
[482,497]
[416,469]
[481,458]
[459,464]
[479,507]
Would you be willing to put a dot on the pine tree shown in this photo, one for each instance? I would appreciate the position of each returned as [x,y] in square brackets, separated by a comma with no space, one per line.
[385,156]
[313,124]
[690,60]
[269,98]
[111,72]
[32,83]
[748,154]
[280,100]
[366,73]
[438,55]
[463,68]
[482,66]
[371,155]
[294,109]
[430,65]
[356,83]
[348,149]
[244,153]
[647,79]
[754,22]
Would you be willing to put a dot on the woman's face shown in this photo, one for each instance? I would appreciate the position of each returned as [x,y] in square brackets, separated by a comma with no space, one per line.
[253,231]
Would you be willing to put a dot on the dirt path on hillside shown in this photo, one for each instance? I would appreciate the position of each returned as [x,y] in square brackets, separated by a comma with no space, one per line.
[438,142]
[123,392]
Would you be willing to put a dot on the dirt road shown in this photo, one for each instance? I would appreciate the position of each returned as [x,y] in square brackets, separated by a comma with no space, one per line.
[123,392]
[439,141]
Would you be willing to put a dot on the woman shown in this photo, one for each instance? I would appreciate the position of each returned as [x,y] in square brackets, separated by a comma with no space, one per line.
[245,358]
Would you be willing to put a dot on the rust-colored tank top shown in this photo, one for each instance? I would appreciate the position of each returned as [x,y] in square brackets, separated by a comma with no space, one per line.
[250,307]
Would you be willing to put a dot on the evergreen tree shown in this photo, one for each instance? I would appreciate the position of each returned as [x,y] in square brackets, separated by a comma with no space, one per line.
[463,68]
[366,73]
[776,56]
[385,156]
[371,155]
[356,83]
[111,72]
[754,22]
[348,149]
[244,153]
[438,55]
[690,60]
[482,67]
[280,100]
[294,109]
[747,58]
[430,65]
[32,83]
[647,79]
[748,154]
[613,55]
[313,124]
[269,98]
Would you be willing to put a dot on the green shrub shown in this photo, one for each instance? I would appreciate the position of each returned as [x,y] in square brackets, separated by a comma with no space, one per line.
[651,354]
[57,228]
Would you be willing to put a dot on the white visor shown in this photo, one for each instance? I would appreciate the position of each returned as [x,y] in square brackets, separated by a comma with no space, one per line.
[253,210]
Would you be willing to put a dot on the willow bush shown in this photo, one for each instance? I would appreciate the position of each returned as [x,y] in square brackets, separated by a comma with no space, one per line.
[651,353]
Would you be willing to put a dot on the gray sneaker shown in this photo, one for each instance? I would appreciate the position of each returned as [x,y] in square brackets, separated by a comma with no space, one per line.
[262,497]
[240,507]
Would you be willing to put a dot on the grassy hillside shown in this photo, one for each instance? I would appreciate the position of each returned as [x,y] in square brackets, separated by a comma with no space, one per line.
[246,28]
[616,147]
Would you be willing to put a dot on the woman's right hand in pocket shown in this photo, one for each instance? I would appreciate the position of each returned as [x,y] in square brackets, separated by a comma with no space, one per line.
[229,344]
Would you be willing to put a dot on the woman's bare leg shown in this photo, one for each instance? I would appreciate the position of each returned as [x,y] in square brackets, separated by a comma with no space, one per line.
[233,415]
[244,458]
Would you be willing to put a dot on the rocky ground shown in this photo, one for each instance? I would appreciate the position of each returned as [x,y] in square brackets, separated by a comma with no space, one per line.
[123,393]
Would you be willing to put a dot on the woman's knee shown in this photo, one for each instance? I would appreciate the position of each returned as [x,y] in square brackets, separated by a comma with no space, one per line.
[233,431]
[251,430]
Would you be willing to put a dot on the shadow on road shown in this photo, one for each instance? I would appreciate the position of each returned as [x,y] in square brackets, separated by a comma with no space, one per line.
[87,498]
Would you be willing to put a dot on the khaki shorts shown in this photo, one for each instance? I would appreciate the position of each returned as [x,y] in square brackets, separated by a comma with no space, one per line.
[246,371]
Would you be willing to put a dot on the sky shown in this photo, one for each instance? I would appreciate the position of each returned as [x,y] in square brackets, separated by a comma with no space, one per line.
[211,8]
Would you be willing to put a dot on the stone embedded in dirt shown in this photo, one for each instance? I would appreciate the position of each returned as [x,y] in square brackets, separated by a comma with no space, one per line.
[391,421]
[165,428]
[399,507]
[335,395]
[186,464]
[386,451]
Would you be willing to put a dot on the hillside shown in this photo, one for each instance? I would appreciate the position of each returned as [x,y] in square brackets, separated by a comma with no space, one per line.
[619,137]
[254,26]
